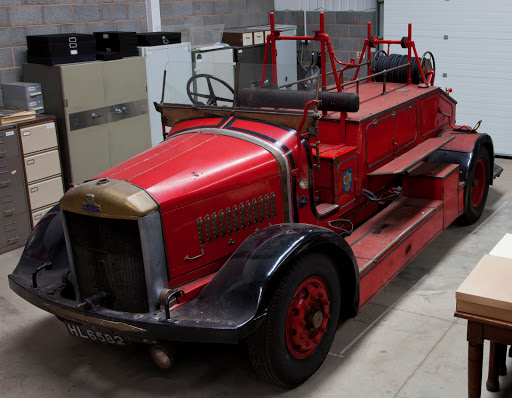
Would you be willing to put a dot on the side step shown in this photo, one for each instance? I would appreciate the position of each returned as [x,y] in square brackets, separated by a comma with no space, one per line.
[412,157]
[388,242]
[497,171]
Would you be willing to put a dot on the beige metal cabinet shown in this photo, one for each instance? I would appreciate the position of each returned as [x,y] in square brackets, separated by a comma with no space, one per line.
[102,112]
[38,137]
[30,177]
[45,192]
[42,165]
[39,214]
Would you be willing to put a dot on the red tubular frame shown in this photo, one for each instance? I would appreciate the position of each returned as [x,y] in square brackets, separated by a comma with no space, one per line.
[320,36]
[325,41]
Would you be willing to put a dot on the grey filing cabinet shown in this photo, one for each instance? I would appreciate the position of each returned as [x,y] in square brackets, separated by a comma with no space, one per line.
[23,95]
[101,109]
[30,177]
[286,53]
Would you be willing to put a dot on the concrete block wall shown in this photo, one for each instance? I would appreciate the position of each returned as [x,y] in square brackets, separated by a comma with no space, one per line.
[231,13]
[347,31]
[19,18]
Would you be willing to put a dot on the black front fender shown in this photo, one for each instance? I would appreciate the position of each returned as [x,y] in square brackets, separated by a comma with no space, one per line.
[241,290]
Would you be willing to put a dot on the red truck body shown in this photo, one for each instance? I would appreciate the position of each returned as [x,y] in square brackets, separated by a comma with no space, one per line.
[260,223]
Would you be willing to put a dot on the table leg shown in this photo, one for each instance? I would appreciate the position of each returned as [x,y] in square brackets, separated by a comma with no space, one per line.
[475,361]
[475,358]
[501,353]
[493,382]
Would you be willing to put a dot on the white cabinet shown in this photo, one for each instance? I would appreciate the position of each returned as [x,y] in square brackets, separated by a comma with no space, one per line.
[176,59]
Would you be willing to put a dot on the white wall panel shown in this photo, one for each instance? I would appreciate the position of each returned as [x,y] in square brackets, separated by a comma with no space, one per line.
[325,5]
[476,57]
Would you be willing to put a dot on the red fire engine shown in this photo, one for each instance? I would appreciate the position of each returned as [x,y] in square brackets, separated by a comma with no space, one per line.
[267,220]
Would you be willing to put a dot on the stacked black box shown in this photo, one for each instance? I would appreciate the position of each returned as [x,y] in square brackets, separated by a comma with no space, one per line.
[158,38]
[61,48]
[124,43]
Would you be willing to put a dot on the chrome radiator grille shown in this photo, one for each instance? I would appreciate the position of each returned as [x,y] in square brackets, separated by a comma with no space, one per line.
[108,258]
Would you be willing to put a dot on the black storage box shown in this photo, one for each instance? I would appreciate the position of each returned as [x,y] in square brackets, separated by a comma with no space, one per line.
[61,48]
[108,56]
[122,42]
[158,38]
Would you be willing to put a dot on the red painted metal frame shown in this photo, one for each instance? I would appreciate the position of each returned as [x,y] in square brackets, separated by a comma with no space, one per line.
[325,41]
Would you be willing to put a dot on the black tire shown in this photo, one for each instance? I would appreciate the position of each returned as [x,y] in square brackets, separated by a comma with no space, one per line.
[268,347]
[477,188]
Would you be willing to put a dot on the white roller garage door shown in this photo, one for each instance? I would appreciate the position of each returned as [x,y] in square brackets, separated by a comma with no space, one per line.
[472,44]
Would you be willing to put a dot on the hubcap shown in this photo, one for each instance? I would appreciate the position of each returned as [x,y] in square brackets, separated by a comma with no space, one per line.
[478,184]
[307,317]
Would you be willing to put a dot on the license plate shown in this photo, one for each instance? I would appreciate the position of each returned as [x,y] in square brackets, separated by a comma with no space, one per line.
[94,335]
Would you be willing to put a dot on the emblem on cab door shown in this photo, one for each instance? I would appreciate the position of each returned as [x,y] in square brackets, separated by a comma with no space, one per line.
[89,204]
[347,180]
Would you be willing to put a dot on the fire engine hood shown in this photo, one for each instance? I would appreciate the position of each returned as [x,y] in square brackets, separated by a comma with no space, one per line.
[201,163]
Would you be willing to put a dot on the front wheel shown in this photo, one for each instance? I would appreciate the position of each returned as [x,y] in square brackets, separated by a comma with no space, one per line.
[477,188]
[293,341]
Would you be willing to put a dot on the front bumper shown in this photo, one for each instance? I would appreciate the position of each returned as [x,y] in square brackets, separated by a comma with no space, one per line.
[187,322]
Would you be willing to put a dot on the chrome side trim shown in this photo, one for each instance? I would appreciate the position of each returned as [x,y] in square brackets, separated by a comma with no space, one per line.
[70,255]
[279,155]
[153,255]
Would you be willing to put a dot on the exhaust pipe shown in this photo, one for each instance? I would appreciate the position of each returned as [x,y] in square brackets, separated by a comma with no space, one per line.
[163,356]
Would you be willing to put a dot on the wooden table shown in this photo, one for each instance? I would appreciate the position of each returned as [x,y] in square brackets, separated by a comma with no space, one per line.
[499,333]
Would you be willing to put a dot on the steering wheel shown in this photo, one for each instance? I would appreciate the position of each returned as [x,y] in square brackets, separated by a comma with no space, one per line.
[428,64]
[212,98]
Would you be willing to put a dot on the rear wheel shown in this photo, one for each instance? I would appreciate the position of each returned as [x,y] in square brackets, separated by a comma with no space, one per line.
[477,188]
[298,330]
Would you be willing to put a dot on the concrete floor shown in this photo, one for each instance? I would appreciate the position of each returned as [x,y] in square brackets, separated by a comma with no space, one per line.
[406,343]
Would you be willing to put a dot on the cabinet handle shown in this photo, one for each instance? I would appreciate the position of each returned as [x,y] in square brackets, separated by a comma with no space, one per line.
[34,189]
[8,212]
[118,111]
[4,183]
[10,240]
[95,115]
[30,161]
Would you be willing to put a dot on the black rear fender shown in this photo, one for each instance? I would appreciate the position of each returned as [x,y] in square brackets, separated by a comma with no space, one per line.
[464,158]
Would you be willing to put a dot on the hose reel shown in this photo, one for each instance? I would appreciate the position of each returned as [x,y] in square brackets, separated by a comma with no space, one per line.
[382,61]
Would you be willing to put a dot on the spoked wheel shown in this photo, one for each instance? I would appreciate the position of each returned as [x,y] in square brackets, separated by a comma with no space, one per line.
[428,63]
[210,96]
[298,330]
[477,188]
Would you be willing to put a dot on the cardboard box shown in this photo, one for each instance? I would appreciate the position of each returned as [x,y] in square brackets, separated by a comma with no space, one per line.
[486,291]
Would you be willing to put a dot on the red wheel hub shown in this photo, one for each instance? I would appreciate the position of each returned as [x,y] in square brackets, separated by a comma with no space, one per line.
[478,183]
[307,317]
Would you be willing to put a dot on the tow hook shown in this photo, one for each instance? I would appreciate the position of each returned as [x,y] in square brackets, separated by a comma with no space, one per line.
[93,303]
[163,355]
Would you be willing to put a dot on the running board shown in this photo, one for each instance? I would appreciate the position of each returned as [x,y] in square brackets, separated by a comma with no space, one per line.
[388,242]
[497,171]
[411,158]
